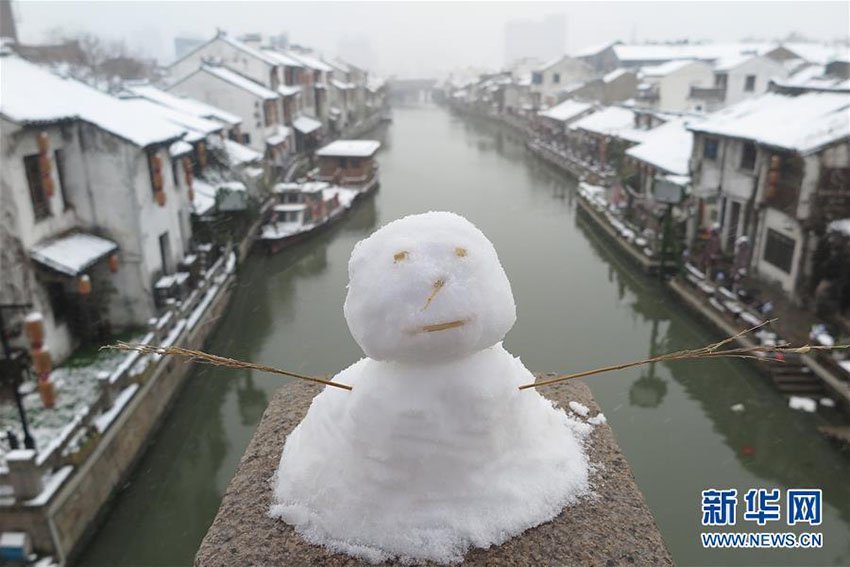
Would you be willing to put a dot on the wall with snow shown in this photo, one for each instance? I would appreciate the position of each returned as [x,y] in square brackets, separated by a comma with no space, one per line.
[675,87]
[230,56]
[213,90]
[764,70]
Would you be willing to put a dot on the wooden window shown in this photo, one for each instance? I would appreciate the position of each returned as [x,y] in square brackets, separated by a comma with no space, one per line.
[556,78]
[709,149]
[748,156]
[750,83]
[779,250]
[58,300]
[59,157]
[40,203]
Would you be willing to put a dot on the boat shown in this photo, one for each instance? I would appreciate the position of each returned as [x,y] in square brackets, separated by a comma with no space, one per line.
[349,163]
[302,210]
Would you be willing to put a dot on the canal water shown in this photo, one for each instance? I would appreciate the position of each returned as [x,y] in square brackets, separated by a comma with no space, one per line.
[579,306]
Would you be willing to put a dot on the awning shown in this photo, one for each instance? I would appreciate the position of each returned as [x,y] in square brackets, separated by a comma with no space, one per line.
[306,125]
[73,254]
[288,90]
[279,137]
[204,197]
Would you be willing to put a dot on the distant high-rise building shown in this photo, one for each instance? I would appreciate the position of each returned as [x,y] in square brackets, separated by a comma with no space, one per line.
[545,39]
[183,45]
[7,21]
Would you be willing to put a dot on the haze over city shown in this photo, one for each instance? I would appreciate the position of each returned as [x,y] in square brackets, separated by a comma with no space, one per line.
[426,39]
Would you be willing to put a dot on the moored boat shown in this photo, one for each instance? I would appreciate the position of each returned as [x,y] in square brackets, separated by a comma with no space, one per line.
[302,210]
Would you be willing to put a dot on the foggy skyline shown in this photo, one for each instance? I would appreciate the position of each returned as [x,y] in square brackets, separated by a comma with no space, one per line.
[425,39]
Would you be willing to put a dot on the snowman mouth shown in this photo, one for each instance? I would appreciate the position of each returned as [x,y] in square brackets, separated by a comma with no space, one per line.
[444,326]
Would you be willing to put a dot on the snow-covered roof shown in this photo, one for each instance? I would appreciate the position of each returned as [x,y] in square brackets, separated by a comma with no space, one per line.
[240,154]
[615,74]
[279,136]
[204,197]
[191,122]
[309,61]
[550,63]
[566,110]
[180,148]
[306,125]
[240,81]
[260,54]
[281,58]
[30,94]
[611,121]
[350,148]
[802,123]
[594,49]
[288,90]
[729,62]
[818,52]
[667,147]
[661,52]
[342,85]
[73,254]
[665,69]
[184,104]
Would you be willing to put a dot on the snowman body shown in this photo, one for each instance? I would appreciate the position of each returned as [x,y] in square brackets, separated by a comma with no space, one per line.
[435,449]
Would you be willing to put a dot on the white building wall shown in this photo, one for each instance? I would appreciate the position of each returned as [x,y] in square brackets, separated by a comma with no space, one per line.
[213,90]
[567,71]
[675,87]
[763,68]
[780,222]
[229,56]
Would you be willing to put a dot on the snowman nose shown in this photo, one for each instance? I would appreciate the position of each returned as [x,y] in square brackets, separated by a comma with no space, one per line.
[438,285]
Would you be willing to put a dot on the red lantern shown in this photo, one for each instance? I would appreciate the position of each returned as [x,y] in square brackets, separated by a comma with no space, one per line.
[44,172]
[84,285]
[43,143]
[47,392]
[187,169]
[202,155]
[34,328]
[191,195]
[156,166]
[113,263]
[160,197]
[41,361]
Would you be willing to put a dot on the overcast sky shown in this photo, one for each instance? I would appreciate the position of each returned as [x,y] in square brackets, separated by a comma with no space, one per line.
[425,39]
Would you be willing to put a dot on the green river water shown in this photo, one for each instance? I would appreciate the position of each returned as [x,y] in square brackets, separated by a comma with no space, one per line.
[579,305]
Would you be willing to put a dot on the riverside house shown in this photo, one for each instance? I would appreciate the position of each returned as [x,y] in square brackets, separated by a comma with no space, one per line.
[774,168]
[91,216]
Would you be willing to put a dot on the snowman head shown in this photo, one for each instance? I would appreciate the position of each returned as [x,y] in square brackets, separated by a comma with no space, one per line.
[427,288]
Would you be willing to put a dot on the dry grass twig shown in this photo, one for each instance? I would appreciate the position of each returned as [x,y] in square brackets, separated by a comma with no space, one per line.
[710,351]
[214,359]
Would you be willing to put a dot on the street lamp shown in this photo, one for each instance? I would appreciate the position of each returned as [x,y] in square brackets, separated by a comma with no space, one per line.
[14,364]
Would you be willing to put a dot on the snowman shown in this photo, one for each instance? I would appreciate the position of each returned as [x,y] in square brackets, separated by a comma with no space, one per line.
[435,449]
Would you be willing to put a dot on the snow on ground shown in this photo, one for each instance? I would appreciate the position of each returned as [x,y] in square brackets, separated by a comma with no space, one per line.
[76,389]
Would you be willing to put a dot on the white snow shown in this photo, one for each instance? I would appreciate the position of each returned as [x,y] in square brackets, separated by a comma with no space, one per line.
[840,225]
[803,404]
[288,90]
[665,69]
[737,407]
[579,408]
[104,420]
[240,154]
[72,254]
[567,110]
[240,81]
[184,104]
[598,419]
[802,123]
[827,402]
[350,148]
[50,98]
[611,121]
[180,148]
[306,125]
[435,449]
[667,147]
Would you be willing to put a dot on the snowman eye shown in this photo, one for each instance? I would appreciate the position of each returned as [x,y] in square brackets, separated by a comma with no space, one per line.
[399,256]
[460,252]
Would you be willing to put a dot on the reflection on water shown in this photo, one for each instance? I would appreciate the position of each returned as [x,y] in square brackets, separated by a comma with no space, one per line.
[579,306]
